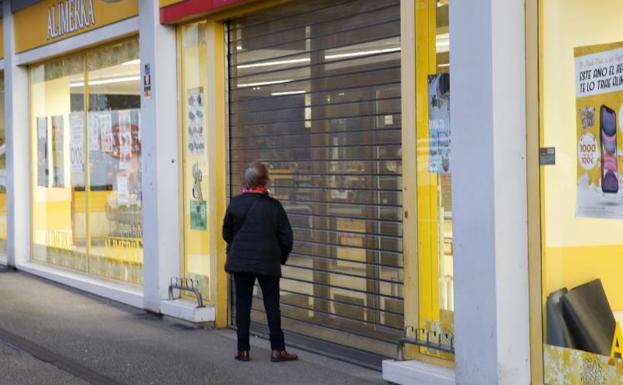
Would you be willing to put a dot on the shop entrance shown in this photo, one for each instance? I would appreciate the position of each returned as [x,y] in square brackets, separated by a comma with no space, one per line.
[314,91]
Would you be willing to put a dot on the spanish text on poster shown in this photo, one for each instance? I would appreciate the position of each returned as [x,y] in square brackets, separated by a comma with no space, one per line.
[599,114]
[43,170]
[58,151]
[76,148]
[439,123]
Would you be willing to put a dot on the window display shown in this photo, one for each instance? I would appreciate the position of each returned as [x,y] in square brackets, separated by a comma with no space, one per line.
[87,210]
[581,79]
[196,204]
[434,187]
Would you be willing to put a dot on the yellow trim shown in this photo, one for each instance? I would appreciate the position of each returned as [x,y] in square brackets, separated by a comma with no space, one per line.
[166,3]
[534,201]
[409,170]
[180,149]
[31,23]
[419,201]
[1,38]
[217,164]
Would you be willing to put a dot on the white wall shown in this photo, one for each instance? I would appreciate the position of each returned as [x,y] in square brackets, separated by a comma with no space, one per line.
[18,147]
[161,224]
[489,191]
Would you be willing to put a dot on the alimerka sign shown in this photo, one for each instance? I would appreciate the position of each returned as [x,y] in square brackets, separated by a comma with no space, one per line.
[48,21]
[69,16]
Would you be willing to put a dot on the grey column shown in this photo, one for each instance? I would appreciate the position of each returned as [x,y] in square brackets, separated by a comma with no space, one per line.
[487,39]
[161,189]
[16,121]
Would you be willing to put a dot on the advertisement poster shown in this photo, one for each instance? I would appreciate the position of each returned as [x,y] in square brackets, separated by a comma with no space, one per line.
[198,215]
[195,115]
[58,151]
[76,147]
[94,131]
[125,139]
[599,133]
[123,190]
[439,123]
[107,139]
[42,152]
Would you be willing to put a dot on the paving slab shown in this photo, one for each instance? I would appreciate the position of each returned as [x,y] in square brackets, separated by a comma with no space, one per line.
[131,346]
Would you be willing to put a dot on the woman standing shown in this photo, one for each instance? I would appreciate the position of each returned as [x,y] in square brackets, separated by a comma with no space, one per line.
[259,240]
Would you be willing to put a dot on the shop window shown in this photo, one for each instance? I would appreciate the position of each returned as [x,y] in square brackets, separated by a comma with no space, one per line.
[86,154]
[581,77]
[434,187]
[195,202]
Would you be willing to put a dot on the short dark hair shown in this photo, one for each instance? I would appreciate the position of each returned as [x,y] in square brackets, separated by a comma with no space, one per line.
[255,175]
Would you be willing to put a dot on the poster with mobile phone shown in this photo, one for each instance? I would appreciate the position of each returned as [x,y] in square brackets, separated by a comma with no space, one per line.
[439,123]
[599,131]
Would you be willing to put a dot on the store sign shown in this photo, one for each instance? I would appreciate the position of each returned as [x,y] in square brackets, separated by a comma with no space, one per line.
[48,21]
[70,16]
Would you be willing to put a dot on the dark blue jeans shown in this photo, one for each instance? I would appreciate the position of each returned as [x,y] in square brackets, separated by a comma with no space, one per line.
[243,283]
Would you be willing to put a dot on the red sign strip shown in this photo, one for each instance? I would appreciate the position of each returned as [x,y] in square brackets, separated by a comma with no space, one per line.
[190,8]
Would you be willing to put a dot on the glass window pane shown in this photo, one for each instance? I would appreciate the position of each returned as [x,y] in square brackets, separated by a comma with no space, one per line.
[195,156]
[582,194]
[434,193]
[114,131]
[59,218]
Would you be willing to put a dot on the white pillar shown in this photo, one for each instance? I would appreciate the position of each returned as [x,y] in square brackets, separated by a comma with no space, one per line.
[161,225]
[489,191]
[16,121]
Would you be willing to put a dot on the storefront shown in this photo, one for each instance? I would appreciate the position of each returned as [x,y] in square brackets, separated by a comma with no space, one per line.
[85,141]
[129,122]
[316,89]
[581,100]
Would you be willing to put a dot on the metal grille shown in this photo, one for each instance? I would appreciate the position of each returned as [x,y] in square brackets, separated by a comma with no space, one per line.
[315,92]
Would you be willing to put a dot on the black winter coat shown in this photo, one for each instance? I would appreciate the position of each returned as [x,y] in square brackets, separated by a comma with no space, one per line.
[261,243]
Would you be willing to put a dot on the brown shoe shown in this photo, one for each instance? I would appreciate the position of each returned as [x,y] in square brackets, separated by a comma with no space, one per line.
[283,355]
[243,355]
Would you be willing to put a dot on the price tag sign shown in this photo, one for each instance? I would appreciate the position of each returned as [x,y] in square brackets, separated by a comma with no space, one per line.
[547,156]
[588,156]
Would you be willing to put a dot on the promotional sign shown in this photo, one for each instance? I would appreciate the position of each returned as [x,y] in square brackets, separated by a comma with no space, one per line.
[198,215]
[195,118]
[42,152]
[439,123]
[58,151]
[76,146]
[599,133]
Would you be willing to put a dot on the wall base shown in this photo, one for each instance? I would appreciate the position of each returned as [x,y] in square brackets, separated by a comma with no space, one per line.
[416,373]
[187,311]
[111,290]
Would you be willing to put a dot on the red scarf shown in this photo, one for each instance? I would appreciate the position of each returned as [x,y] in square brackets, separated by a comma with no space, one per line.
[259,189]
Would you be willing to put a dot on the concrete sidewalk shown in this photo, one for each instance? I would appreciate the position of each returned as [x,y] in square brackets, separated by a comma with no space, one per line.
[54,335]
